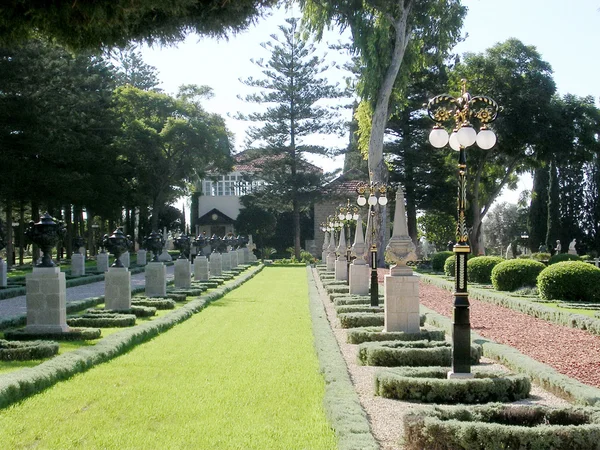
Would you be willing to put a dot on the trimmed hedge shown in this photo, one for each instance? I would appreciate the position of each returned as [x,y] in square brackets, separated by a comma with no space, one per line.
[177,297]
[561,257]
[570,280]
[450,266]
[499,426]
[411,353]
[431,385]
[155,302]
[74,334]
[439,259]
[376,334]
[516,273]
[27,350]
[358,308]
[479,268]
[102,319]
[352,300]
[356,320]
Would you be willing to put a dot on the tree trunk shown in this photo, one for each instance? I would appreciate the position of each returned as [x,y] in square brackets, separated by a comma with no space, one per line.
[553,224]
[9,234]
[22,233]
[91,245]
[156,209]
[69,226]
[35,216]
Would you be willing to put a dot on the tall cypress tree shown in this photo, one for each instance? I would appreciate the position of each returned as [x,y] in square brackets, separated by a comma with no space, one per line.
[538,208]
[291,88]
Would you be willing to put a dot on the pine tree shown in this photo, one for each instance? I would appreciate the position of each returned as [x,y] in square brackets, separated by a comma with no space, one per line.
[292,88]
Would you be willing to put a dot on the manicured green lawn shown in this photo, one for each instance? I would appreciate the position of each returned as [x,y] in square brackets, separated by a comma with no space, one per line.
[242,374]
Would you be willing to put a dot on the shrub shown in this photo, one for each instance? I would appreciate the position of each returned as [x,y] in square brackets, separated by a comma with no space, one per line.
[541,256]
[570,280]
[479,269]
[561,257]
[439,259]
[516,273]
[177,297]
[498,426]
[28,350]
[358,308]
[355,320]
[431,385]
[450,266]
[102,319]
[373,334]
[155,302]
[74,334]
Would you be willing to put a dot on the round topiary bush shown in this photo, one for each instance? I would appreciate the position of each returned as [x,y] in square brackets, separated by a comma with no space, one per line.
[516,273]
[450,266]
[570,280]
[560,257]
[497,426]
[439,259]
[479,269]
[431,385]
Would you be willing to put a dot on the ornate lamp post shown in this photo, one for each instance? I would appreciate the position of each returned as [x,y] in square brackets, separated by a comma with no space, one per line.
[377,196]
[117,244]
[45,234]
[346,214]
[445,109]
[199,243]
[183,244]
[154,243]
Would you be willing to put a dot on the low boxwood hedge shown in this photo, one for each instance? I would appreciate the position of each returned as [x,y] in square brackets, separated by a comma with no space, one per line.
[516,273]
[431,385]
[102,319]
[352,300]
[155,302]
[479,268]
[410,353]
[439,259]
[570,280]
[74,334]
[501,426]
[358,308]
[26,350]
[376,334]
[176,296]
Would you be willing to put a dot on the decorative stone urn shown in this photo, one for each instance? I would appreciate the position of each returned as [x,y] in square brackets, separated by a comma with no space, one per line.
[117,244]
[183,244]
[199,243]
[45,234]
[154,243]
[77,243]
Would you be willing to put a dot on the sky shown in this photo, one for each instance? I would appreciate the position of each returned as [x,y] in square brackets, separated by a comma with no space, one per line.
[566,34]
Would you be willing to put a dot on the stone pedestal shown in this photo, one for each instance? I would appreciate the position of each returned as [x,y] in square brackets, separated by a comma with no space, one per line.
[324,257]
[117,288]
[164,256]
[183,274]
[360,278]
[142,257]
[125,259]
[3,273]
[102,262]
[251,256]
[201,268]
[330,262]
[46,300]
[156,279]
[77,265]
[341,269]
[226,261]
[401,308]
[241,256]
[234,258]
[216,264]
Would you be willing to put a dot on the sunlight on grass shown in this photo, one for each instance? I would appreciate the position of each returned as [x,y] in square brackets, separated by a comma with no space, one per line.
[242,374]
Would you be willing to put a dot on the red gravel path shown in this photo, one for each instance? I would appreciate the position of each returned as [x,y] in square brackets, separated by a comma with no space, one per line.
[575,353]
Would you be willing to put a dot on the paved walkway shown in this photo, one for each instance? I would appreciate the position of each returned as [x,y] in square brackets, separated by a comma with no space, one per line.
[16,306]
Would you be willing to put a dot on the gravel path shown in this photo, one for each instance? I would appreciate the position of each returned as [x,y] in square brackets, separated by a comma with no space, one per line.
[575,353]
[15,306]
[385,415]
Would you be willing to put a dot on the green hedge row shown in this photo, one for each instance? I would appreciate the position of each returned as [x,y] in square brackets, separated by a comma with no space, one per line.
[376,334]
[341,401]
[27,350]
[365,319]
[353,300]
[500,426]
[431,385]
[410,353]
[541,374]
[74,334]
[102,319]
[15,386]
[155,302]
[358,308]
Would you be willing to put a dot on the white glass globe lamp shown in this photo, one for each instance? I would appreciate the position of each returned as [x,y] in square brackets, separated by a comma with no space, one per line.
[361,200]
[453,141]
[486,139]
[348,215]
[372,200]
[466,135]
[438,137]
[383,200]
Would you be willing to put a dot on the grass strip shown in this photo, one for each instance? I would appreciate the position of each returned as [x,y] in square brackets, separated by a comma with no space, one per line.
[241,375]
[341,401]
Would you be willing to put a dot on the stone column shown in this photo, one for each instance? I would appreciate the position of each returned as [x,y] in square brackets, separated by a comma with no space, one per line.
[246,253]
[183,273]
[102,262]
[3,273]
[359,270]
[234,258]
[341,264]
[77,265]
[201,268]
[156,279]
[117,288]
[142,256]
[226,261]
[126,260]
[401,286]
[216,264]
[46,300]
[331,253]
[325,245]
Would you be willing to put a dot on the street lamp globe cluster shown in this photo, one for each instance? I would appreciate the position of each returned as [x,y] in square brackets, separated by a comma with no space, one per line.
[458,113]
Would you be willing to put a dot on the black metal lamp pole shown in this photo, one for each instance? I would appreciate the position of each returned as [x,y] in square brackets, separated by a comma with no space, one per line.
[443,109]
